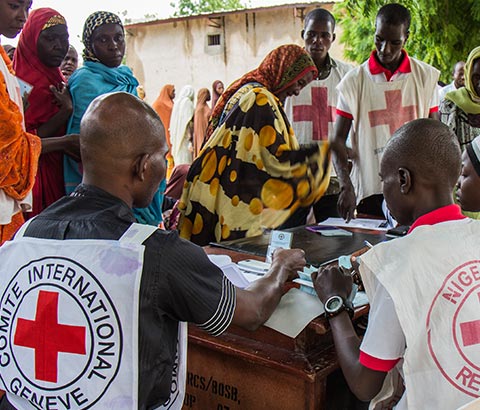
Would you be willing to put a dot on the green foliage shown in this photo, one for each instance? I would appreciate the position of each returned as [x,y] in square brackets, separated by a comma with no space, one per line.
[442,31]
[192,7]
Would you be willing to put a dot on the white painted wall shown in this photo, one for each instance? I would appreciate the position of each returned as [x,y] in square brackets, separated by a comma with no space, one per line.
[175,51]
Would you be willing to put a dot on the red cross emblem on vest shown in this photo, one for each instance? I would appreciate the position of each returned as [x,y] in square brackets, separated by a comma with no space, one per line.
[395,114]
[319,113]
[471,331]
[48,337]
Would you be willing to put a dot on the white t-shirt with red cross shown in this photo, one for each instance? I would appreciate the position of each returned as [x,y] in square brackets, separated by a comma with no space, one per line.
[312,113]
[379,102]
[425,310]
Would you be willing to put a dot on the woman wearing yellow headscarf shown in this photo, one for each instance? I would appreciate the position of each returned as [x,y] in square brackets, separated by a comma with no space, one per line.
[460,109]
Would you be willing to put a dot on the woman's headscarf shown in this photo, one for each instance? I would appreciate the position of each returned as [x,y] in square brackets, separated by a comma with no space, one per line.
[163,105]
[94,20]
[466,98]
[278,70]
[29,68]
[215,94]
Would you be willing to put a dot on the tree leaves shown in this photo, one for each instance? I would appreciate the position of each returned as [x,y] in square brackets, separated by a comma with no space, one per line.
[192,7]
[442,31]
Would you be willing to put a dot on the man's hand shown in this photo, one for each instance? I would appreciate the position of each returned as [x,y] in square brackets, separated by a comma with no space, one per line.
[330,281]
[256,303]
[347,202]
[290,261]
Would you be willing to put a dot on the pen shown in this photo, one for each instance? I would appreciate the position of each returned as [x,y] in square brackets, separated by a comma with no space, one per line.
[368,244]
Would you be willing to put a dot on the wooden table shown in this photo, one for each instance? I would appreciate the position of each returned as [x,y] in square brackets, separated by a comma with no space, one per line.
[262,369]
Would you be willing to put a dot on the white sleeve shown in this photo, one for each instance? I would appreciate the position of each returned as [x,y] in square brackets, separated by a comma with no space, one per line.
[384,338]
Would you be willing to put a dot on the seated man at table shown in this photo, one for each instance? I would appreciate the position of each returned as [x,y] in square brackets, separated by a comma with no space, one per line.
[108,294]
[422,288]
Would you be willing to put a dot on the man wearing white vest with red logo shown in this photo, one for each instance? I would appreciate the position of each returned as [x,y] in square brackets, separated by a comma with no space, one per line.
[376,98]
[312,112]
[93,306]
[424,288]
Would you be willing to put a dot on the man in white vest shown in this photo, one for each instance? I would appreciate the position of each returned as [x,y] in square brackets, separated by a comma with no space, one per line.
[385,92]
[312,112]
[91,302]
[422,345]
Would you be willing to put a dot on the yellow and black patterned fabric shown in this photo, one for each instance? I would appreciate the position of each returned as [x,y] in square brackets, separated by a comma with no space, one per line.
[251,175]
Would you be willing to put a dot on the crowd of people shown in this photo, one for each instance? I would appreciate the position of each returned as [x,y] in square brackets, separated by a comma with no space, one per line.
[302,137]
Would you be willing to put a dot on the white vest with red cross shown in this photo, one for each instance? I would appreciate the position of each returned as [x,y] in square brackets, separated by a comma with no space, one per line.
[436,295]
[69,323]
[379,109]
[312,113]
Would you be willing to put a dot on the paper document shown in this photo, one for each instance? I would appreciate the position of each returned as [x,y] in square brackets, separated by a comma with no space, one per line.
[230,270]
[362,223]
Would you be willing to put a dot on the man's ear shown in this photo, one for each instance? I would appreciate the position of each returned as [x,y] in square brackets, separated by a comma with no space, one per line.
[405,180]
[302,33]
[334,36]
[140,166]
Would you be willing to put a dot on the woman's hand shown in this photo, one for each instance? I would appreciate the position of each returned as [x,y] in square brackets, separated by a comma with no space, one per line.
[62,97]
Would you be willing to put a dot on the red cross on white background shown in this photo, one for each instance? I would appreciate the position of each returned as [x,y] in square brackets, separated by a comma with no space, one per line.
[48,337]
[395,115]
[319,113]
[471,331]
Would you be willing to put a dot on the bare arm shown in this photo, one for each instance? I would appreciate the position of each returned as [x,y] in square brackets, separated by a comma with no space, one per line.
[363,382]
[69,144]
[255,304]
[347,199]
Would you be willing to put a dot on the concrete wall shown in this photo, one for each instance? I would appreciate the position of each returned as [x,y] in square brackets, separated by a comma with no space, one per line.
[175,51]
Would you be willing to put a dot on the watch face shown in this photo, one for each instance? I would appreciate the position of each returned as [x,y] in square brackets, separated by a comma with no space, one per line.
[333,304]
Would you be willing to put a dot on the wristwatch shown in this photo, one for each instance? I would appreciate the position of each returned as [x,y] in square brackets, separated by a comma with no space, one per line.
[336,305]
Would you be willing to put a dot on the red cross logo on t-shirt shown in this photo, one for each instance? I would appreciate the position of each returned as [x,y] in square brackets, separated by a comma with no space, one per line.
[48,337]
[471,331]
[395,115]
[319,113]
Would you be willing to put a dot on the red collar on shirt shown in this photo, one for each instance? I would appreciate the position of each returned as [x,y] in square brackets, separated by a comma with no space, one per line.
[443,214]
[376,68]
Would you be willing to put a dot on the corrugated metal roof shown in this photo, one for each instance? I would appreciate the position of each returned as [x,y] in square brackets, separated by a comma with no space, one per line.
[224,13]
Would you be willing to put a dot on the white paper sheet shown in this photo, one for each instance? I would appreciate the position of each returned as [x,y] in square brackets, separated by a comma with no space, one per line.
[294,312]
[362,223]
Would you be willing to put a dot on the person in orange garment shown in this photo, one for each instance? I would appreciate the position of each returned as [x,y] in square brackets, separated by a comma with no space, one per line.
[200,120]
[19,150]
[163,105]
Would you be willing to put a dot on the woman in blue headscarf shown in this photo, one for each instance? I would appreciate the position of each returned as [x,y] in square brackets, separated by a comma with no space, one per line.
[102,72]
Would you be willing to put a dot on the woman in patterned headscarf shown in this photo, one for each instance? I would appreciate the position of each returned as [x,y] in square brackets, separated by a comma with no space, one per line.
[252,174]
[102,72]
[41,48]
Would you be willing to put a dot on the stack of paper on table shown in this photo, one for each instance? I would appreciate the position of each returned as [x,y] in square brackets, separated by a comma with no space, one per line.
[296,308]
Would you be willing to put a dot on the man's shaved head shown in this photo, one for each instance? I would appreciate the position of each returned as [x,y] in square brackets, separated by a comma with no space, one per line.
[419,169]
[121,137]
[428,149]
